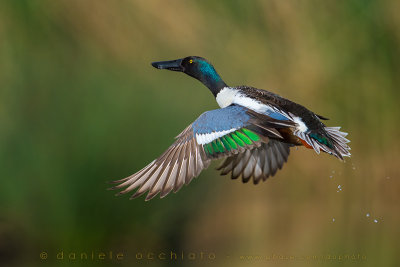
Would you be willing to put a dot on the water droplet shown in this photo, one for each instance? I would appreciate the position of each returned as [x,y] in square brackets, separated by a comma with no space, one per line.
[367,215]
[331,176]
[333,219]
[375,221]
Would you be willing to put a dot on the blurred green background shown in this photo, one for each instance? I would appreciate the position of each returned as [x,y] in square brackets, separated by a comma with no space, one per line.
[80,105]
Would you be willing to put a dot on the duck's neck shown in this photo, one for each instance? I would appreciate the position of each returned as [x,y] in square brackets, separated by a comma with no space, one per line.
[210,78]
[215,86]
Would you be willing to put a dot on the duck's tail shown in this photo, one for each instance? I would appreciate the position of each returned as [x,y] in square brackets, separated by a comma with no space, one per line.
[339,141]
[331,141]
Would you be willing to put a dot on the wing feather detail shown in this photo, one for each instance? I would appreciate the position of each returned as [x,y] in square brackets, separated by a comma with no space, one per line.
[260,163]
[178,165]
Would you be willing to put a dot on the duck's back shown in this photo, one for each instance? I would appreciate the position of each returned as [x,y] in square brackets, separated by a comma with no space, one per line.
[311,120]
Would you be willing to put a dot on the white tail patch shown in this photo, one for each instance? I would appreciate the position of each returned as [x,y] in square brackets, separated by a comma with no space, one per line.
[301,125]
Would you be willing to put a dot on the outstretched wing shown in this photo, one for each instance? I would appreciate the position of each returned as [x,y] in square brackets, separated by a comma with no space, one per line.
[259,163]
[217,133]
[177,166]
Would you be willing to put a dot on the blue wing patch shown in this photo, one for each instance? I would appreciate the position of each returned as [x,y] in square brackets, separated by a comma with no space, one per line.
[277,116]
[221,120]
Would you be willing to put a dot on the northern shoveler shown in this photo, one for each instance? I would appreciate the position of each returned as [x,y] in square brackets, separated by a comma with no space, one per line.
[254,130]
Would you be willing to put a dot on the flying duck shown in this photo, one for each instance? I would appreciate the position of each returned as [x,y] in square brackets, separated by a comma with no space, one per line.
[253,130]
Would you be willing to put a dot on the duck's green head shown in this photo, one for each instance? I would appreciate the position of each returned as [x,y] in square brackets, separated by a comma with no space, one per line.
[198,68]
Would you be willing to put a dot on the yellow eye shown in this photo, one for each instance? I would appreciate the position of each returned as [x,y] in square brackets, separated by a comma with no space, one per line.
[191,61]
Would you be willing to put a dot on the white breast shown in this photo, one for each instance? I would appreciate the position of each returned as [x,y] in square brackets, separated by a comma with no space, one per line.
[226,96]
